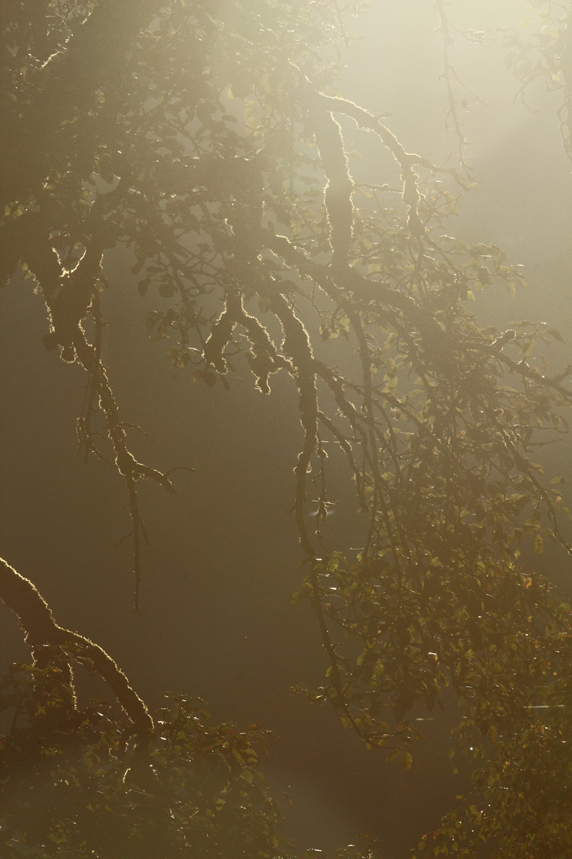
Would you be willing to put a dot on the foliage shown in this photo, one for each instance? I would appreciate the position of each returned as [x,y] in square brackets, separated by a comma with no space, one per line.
[75,783]
[214,150]
[526,775]
[545,54]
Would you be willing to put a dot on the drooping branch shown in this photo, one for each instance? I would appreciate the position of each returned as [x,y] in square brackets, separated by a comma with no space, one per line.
[297,347]
[219,337]
[128,466]
[68,297]
[263,357]
[37,621]
[338,192]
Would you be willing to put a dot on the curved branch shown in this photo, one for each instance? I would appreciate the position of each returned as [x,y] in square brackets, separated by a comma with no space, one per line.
[37,621]
[326,105]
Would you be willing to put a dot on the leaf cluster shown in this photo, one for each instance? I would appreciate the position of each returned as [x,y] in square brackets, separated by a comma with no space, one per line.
[75,784]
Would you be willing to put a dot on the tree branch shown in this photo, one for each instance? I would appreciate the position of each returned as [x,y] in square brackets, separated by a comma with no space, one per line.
[37,621]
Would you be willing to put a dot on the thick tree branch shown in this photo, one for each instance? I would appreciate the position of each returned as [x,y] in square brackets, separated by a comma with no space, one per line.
[37,621]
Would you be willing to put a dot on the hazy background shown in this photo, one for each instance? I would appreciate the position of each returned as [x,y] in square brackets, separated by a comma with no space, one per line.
[223,553]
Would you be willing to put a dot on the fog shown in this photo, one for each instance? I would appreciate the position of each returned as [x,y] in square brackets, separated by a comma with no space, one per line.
[223,553]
